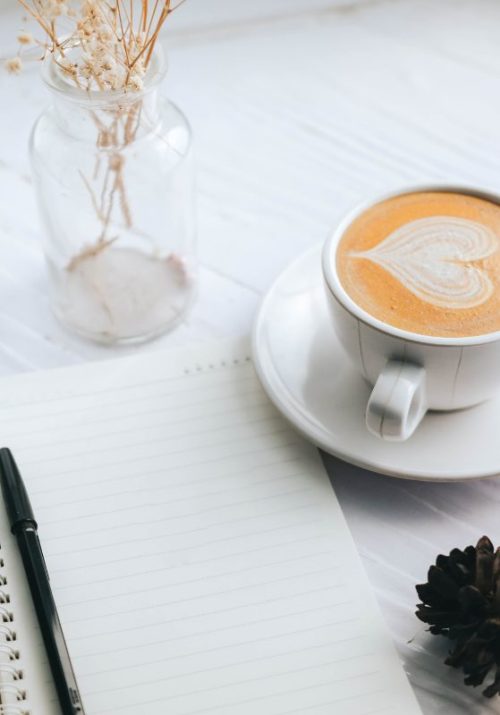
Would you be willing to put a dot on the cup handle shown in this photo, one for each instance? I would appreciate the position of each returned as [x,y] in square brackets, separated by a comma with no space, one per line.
[398,401]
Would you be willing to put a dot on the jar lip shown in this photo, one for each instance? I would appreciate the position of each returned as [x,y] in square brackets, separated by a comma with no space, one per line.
[57,83]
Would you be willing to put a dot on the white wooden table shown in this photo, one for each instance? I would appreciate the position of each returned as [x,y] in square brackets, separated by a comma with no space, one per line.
[299,109]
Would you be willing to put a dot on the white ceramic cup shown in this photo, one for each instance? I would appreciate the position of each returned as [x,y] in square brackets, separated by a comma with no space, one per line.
[411,373]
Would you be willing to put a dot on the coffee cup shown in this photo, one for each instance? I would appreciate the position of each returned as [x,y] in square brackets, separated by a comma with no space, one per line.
[401,299]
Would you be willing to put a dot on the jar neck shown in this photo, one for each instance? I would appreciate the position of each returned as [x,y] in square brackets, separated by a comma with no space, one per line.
[113,122]
[113,117]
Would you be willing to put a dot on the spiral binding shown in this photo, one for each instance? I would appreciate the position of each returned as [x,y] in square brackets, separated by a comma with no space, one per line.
[12,694]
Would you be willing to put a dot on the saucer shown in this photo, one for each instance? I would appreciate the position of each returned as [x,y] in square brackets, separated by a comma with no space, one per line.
[309,378]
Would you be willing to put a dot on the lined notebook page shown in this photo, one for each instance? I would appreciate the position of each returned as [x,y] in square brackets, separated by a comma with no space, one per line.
[198,556]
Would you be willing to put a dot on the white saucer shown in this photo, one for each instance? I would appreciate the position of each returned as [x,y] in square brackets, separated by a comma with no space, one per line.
[306,374]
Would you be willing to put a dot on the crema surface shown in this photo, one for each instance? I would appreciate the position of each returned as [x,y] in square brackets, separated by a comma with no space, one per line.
[426,262]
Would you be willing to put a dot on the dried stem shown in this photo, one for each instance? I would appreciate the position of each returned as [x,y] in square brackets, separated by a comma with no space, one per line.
[103,45]
[117,37]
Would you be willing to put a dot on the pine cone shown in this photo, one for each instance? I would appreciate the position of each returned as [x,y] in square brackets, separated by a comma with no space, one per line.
[461,600]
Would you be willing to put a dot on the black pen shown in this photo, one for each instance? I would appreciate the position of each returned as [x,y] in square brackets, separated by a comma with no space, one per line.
[23,525]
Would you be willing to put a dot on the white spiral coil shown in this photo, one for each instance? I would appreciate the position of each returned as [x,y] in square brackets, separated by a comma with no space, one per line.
[13,696]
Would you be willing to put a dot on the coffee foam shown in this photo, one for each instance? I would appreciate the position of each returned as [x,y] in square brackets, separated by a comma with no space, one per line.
[432,258]
[426,262]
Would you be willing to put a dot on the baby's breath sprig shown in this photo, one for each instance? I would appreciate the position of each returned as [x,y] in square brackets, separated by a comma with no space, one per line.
[101,45]
[115,39]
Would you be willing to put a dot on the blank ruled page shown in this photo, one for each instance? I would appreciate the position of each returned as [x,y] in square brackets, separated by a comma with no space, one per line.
[198,556]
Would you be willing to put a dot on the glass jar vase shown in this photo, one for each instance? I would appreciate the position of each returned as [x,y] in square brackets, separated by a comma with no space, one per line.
[114,179]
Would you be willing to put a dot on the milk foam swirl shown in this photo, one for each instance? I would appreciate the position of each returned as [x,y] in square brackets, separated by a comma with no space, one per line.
[433,258]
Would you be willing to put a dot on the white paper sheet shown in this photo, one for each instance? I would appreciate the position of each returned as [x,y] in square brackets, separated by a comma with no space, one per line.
[198,556]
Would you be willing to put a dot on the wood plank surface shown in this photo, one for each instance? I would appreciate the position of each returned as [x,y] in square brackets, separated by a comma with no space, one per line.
[299,110]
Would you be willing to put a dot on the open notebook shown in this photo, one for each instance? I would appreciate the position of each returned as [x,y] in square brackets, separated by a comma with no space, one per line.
[198,556]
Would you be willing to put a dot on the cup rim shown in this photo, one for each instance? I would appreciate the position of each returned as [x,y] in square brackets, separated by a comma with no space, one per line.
[338,292]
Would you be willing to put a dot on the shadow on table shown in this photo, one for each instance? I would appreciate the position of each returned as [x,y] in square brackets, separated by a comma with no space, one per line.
[467,507]
[399,527]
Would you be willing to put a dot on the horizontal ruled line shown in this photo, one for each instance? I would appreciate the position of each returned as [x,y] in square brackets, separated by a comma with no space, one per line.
[159,440]
[163,586]
[135,476]
[296,690]
[267,547]
[230,477]
[168,520]
[240,624]
[178,657]
[168,453]
[179,500]
[340,700]
[181,378]
[184,533]
[214,612]
[205,579]
[277,636]
[277,694]
[258,679]
[137,413]
[262,416]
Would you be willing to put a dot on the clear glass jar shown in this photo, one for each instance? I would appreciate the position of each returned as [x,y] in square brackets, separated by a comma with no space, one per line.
[114,179]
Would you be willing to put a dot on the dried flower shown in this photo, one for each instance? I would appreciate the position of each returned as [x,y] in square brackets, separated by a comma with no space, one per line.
[114,44]
[25,38]
[102,45]
[14,65]
[52,9]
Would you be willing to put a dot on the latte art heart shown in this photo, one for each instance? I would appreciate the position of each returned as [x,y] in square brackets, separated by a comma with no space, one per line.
[434,259]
